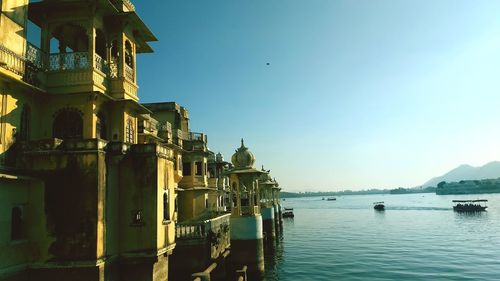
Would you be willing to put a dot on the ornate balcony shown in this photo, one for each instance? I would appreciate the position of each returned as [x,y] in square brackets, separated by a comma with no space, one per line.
[69,61]
[129,73]
[123,87]
[28,67]
[69,72]
[74,72]
[197,137]
[102,65]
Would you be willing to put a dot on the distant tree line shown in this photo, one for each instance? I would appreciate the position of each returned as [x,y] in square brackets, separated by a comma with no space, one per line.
[332,193]
[401,190]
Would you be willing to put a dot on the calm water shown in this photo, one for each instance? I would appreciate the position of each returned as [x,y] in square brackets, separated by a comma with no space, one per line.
[418,237]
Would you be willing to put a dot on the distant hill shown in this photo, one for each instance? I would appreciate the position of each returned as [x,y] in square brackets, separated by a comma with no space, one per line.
[467,172]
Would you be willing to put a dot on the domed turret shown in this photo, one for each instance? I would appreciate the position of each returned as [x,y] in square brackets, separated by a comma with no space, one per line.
[265,178]
[243,158]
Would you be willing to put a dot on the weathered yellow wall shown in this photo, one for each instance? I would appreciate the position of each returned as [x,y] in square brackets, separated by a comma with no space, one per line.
[137,178]
[113,205]
[166,230]
[34,246]
[192,204]
[12,101]
[12,22]
[74,196]
[161,187]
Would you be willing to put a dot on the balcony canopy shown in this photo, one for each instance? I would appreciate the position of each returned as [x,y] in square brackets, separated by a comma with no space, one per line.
[142,34]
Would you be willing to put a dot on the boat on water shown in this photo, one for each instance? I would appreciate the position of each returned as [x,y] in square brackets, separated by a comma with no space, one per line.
[288,213]
[331,199]
[478,205]
[379,206]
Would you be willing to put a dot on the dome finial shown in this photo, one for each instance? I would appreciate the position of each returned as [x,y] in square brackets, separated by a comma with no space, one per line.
[242,158]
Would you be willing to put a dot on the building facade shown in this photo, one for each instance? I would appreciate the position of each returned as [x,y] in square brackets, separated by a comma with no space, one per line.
[88,178]
[95,185]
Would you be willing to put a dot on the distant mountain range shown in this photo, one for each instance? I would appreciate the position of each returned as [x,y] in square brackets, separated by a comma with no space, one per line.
[467,172]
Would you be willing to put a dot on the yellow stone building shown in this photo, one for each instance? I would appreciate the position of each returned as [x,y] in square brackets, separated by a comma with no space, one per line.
[88,178]
[93,184]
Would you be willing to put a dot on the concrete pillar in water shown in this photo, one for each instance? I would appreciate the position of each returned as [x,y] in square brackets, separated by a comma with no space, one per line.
[277,221]
[280,217]
[268,222]
[267,188]
[247,247]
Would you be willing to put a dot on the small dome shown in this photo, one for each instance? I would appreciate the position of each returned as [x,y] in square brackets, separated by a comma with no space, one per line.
[243,158]
[265,177]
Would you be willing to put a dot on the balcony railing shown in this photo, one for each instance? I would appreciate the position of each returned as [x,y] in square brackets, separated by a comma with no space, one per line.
[27,66]
[32,65]
[197,136]
[34,55]
[188,231]
[203,229]
[101,64]
[11,61]
[69,61]
[129,73]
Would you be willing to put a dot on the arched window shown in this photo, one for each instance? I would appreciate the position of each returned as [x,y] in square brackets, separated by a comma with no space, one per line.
[129,62]
[25,123]
[68,124]
[16,229]
[115,55]
[114,51]
[129,55]
[129,131]
[100,126]
[100,52]
[100,44]
[166,211]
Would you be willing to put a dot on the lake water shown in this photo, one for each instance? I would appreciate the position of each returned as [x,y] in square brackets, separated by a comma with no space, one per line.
[417,237]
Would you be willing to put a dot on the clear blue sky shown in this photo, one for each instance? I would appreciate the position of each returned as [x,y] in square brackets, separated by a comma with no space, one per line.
[358,94]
